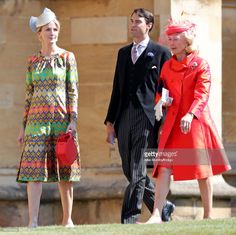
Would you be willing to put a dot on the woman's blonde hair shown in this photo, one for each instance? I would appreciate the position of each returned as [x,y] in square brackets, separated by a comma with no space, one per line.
[57,23]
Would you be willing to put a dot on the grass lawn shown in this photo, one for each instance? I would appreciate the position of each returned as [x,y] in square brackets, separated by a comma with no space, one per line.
[201,227]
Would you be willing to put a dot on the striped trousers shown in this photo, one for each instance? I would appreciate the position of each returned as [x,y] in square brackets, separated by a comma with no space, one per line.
[135,134]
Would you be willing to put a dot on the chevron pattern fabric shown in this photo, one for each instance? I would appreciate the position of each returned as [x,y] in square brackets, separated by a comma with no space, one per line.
[50,105]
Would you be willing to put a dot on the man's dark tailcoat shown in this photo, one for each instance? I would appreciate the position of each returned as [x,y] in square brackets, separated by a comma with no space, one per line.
[131,110]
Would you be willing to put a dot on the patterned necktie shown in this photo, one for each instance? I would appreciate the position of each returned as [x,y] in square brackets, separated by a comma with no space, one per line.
[134,53]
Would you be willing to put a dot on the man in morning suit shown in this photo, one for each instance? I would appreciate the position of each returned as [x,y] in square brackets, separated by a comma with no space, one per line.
[131,115]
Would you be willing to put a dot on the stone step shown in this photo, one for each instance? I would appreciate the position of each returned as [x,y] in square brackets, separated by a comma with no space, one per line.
[98,199]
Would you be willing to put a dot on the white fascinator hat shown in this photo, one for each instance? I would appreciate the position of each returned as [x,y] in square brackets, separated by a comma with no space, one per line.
[46,17]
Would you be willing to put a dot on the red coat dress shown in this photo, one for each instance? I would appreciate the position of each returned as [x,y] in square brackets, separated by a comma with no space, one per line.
[200,153]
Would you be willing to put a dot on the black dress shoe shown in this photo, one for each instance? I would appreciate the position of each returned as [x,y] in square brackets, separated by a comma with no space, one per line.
[168,209]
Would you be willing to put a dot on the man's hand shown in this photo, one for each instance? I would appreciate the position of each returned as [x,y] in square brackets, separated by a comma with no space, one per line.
[110,133]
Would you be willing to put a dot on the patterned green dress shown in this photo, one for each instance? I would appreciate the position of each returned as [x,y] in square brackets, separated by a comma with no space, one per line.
[50,105]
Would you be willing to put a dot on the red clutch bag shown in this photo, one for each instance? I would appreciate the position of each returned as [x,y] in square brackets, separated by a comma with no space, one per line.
[66,150]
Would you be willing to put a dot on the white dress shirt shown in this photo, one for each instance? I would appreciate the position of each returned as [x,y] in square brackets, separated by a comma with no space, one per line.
[141,46]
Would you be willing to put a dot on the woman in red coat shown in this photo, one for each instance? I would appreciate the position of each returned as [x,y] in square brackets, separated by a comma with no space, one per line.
[189,145]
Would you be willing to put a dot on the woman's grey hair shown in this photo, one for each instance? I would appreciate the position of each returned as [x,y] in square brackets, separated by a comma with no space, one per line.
[190,36]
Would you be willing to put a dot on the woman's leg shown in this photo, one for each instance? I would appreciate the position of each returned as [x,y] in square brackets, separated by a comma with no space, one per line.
[34,191]
[206,191]
[161,191]
[66,191]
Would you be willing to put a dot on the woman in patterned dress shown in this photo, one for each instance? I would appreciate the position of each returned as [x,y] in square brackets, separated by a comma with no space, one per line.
[189,145]
[50,109]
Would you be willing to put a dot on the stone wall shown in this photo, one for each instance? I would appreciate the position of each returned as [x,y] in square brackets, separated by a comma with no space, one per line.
[95,49]
[229,69]
[96,61]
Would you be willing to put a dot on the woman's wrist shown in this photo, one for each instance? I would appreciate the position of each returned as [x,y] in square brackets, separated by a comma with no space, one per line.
[191,114]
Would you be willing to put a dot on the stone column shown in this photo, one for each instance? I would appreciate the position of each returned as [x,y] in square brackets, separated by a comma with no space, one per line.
[207,15]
